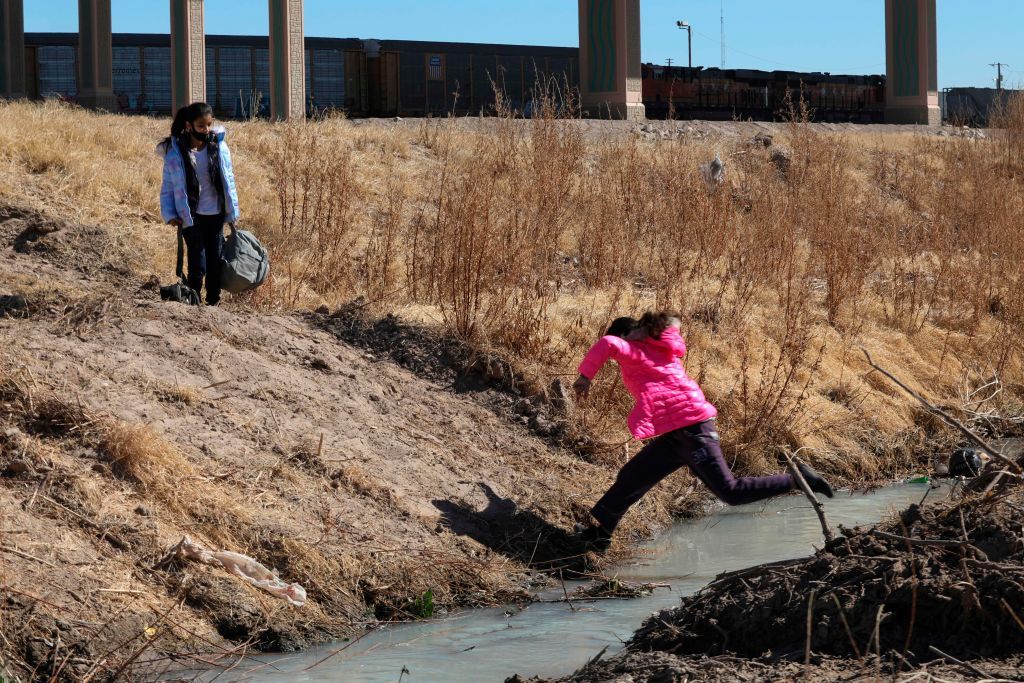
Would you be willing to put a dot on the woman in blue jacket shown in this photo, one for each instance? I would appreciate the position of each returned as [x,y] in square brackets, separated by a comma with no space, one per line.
[199,193]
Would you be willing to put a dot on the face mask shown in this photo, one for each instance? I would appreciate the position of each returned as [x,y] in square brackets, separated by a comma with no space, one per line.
[200,137]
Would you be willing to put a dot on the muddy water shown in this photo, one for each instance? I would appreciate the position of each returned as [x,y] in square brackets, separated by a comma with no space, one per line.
[556,639]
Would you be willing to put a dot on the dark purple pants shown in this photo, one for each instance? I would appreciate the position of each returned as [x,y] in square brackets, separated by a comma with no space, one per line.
[696,447]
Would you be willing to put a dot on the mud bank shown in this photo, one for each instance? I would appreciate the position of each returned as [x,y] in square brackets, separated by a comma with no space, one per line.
[939,590]
[661,667]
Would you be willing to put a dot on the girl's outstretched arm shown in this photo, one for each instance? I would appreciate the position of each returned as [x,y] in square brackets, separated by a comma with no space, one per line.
[608,348]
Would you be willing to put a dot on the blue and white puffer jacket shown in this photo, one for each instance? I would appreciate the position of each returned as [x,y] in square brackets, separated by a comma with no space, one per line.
[174,191]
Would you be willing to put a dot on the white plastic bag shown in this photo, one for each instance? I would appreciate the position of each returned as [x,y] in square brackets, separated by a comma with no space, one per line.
[245,568]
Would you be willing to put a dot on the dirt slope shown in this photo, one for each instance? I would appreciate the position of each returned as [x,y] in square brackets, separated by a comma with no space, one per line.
[127,423]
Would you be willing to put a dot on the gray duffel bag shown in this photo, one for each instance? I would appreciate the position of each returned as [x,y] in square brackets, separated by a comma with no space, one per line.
[246,264]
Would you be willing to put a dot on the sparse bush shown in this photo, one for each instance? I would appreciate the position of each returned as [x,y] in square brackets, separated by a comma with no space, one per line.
[317,194]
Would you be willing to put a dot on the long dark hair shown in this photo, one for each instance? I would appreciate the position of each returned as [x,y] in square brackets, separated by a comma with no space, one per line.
[185,115]
[654,322]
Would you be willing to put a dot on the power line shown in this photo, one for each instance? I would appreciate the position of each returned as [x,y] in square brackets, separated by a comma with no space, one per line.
[722,18]
[747,54]
[794,67]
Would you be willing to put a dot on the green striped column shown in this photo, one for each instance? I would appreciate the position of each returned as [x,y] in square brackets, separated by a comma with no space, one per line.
[912,75]
[287,60]
[188,53]
[610,77]
[95,55]
[600,37]
[12,49]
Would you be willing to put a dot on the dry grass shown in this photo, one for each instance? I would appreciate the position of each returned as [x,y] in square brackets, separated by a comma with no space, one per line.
[528,236]
[179,393]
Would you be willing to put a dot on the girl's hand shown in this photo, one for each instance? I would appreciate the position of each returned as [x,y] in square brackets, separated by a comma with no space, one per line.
[581,387]
[176,222]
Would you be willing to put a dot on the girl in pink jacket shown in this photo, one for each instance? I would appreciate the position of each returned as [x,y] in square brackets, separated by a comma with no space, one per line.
[672,411]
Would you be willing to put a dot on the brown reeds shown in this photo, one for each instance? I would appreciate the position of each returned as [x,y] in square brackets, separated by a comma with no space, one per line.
[527,235]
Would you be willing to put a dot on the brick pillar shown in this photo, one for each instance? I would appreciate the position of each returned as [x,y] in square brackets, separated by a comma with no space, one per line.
[12,49]
[912,65]
[610,77]
[188,53]
[95,55]
[287,60]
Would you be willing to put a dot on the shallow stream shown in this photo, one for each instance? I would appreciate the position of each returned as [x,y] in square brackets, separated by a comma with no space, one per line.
[486,645]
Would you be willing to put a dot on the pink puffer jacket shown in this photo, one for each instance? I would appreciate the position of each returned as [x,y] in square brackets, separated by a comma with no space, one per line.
[666,397]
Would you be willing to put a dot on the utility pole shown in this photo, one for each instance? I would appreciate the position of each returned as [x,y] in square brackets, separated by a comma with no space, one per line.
[685,26]
[669,60]
[999,71]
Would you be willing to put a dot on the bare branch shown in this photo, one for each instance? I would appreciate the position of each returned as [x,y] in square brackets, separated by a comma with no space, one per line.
[802,483]
[946,417]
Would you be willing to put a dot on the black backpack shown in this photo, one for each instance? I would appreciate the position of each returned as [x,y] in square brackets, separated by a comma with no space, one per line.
[180,291]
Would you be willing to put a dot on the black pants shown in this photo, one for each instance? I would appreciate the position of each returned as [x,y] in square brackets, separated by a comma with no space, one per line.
[205,242]
[696,447]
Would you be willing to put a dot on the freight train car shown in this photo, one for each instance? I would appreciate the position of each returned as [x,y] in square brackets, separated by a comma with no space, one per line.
[699,93]
[974,106]
[417,78]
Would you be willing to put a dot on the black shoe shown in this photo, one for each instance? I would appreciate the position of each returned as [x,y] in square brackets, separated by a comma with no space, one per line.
[816,481]
[593,537]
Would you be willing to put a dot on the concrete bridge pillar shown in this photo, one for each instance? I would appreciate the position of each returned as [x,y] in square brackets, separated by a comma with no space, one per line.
[287,60]
[188,53]
[610,77]
[12,48]
[95,55]
[911,57]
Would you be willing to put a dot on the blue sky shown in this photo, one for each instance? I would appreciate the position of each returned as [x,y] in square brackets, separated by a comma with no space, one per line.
[840,36]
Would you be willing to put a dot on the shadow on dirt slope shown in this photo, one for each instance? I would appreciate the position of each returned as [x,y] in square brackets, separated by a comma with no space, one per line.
[520,533]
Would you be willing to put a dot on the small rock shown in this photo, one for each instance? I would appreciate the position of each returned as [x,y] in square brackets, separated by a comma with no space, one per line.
[323,309]
[524,407]
[14,305]
[496,370]
[143,511]
[152,283]
[13,441]
[558,395]
[541,425]
[781,159]
[320,364]
[17,467]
